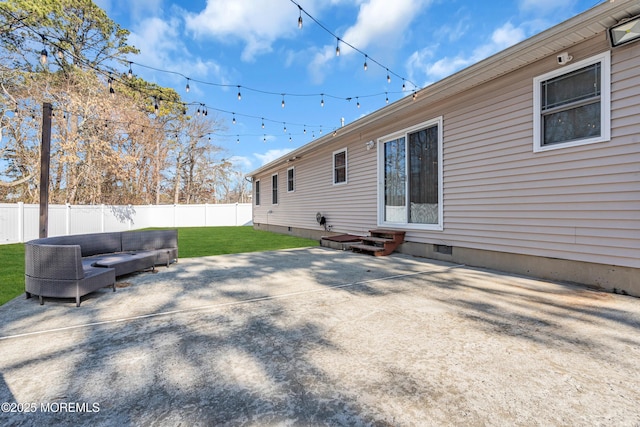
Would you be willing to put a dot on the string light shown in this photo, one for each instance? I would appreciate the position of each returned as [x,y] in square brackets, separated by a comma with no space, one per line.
[239,94]
[322,99]
[387,98]
[300,18]
[403,86]
[285,127]
[234,118]
[358,104]
[187,88]
[263,123]
[338,40]
[43,54]
[129,74]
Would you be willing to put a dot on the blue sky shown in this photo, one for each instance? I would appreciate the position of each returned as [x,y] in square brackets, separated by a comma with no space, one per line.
[257,45]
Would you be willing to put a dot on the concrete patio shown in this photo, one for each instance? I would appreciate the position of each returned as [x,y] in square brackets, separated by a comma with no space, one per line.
[323,337]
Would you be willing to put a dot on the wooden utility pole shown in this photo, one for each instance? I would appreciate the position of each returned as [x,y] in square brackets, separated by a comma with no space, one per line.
[45,158]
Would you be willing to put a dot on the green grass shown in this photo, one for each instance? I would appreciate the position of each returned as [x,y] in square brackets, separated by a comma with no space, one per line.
[12,275]
[206,241]
[192,242]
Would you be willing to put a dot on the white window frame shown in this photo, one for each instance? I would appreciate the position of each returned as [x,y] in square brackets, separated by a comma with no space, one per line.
[381,190]
[605,103]
[257,192]
[292,169]
[274,190]
[346,167]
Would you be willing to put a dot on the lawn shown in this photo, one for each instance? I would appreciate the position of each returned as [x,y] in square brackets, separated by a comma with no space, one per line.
[192,242]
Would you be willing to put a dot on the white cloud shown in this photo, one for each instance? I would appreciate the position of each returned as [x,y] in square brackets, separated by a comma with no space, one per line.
[161,47]
[379,22]
[271,155]
[544,7]
[419,63]
[241,162]
[256,23]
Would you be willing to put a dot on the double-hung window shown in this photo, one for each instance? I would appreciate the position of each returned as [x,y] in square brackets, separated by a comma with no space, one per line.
[572,105]
[291,175]
[340,166]
[274,189]
[410,165]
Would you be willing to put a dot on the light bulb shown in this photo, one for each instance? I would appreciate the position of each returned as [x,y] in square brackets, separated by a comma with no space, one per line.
[187,88]
[365,63]
[282,101]
[338,47]
[239,94]
[234,120]
[130,73]
[112,92]
[388,77]
[262,123]
[43,56]
[322,101]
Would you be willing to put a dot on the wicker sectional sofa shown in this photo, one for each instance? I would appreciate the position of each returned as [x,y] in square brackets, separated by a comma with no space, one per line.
[76,265]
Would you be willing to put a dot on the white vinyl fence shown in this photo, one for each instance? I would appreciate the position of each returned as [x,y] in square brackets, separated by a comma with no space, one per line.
[20,222]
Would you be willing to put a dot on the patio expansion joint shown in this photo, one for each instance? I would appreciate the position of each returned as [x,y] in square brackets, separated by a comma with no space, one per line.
[226,304]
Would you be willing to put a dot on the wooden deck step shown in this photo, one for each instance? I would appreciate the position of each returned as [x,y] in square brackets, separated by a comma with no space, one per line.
[374,250]
[380,242]
[376,239]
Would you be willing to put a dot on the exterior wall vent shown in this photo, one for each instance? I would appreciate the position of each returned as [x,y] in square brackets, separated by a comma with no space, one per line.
[443,249]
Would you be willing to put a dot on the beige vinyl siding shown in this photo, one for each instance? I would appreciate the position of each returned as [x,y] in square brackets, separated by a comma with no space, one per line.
[578,203]
[348,207]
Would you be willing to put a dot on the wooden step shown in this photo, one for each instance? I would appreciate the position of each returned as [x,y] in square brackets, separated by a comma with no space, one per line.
[377,239]
[374,250]
[381,242]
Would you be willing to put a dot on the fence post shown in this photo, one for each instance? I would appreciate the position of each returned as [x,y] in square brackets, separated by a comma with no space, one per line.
[21,222]
[67,219]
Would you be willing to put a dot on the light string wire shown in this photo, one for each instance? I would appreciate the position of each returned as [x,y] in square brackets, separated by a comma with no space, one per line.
[109,75]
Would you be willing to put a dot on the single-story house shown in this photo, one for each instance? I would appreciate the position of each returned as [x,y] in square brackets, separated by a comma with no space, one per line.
[527,162]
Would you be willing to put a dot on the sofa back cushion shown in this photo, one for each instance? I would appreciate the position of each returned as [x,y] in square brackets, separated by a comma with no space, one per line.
[98,243]
[90,244]
[62,262]
[147,240]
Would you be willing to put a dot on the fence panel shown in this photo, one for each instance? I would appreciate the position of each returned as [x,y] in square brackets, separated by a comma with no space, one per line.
[20,222]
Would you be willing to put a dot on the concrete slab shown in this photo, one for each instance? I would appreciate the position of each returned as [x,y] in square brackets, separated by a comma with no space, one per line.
[317,336]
